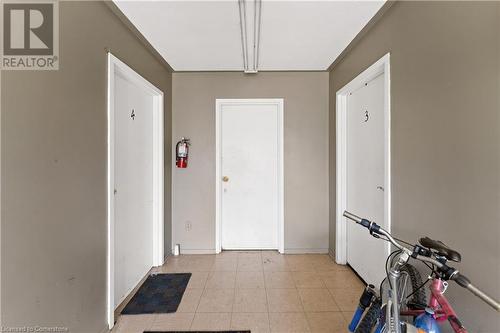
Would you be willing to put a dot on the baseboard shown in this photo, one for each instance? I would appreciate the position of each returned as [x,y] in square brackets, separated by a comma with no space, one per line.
[306,251]
[287,251]
[197,251]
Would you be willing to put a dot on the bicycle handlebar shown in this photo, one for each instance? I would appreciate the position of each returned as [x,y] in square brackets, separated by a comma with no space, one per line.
[464,282]
[374,228]
[460,279]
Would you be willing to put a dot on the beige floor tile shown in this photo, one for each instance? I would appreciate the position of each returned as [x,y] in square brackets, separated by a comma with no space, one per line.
[211,321]
[228,255]
[175,268]
[172,261]
[294,258]
[197,280]
[250,300]
[250,280]
[204,265]
[245,255]
[221,280]
[317,300]
[279,280]
[270,265]
[329,265]
[216,300]
[317,258]
[341,279]
[172,321]
[307,280]
[308,259]
[190,263]
[284,300]
[300,266]
[326,322]
[194,257]
[274,262]
[250,264]
[272,255]
[259,291]
[190,300]
[225,264]
[348,315]
[288,322]
[346,299]
[133,323]
[171,267]
[255,322]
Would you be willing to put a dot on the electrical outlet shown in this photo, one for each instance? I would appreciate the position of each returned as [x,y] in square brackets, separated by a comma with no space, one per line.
[188,226]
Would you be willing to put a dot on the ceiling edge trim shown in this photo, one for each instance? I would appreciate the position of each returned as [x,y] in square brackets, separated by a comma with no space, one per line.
[124,19]
[253,74]
[374,20]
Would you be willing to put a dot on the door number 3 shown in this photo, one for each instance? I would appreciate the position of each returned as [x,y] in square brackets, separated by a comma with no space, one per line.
[367,116]
[132,115]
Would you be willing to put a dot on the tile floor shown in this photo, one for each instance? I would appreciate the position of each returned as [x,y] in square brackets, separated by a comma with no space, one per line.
[261,291]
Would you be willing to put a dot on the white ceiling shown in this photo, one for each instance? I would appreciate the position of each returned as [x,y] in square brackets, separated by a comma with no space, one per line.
[206,35]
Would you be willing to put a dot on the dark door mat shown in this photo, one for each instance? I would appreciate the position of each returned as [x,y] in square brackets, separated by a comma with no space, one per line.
[160,293]
[197,332]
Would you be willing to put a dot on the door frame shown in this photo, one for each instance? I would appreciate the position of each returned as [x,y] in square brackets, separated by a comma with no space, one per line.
[279,102]
[381,67]
[115,66]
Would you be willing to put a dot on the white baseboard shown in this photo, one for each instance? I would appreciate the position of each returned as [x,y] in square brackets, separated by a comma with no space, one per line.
[287,251]
[306,251]
[197,251]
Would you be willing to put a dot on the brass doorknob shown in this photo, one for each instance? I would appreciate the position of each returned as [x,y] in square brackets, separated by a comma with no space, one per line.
[225,179]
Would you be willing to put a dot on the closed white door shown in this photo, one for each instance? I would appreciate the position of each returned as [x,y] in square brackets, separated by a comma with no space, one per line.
[365,178]
[133,229]
[249,168]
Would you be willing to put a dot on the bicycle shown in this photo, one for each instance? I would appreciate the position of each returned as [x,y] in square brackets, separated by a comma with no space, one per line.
[385,308]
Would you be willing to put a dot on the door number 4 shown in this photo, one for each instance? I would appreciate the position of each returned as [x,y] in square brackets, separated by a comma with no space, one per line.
[132,115]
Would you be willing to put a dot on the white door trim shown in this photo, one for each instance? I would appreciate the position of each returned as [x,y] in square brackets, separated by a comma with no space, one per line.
[382,66]
[114,66]
[218,176]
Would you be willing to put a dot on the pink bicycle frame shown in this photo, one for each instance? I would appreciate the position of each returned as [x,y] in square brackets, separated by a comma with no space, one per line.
[442,309]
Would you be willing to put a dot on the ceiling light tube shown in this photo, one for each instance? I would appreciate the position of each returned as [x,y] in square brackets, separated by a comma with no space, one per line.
[257,19]
[243,28]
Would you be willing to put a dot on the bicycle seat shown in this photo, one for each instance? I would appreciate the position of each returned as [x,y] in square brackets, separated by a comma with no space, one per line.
[441,249]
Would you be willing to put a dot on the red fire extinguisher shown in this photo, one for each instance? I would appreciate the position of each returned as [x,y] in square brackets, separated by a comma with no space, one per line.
[181,153]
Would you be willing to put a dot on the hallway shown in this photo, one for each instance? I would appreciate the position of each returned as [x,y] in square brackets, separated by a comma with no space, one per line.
[257,291]
[149,128]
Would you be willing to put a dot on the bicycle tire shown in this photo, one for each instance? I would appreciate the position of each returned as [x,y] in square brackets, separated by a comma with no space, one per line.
[370,319]
[418,296]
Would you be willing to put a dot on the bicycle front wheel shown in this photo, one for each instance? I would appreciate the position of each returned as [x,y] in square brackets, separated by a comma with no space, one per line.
[411,294]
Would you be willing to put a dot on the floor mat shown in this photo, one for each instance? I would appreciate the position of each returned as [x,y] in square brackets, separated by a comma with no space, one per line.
[160,293]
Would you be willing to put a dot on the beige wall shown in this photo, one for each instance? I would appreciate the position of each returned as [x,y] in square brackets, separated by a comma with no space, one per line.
[445,134]
[306,128]
[54,173]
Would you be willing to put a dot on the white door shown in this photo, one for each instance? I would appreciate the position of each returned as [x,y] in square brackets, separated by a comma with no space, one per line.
[133,228]
[249,149]
[365,177]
